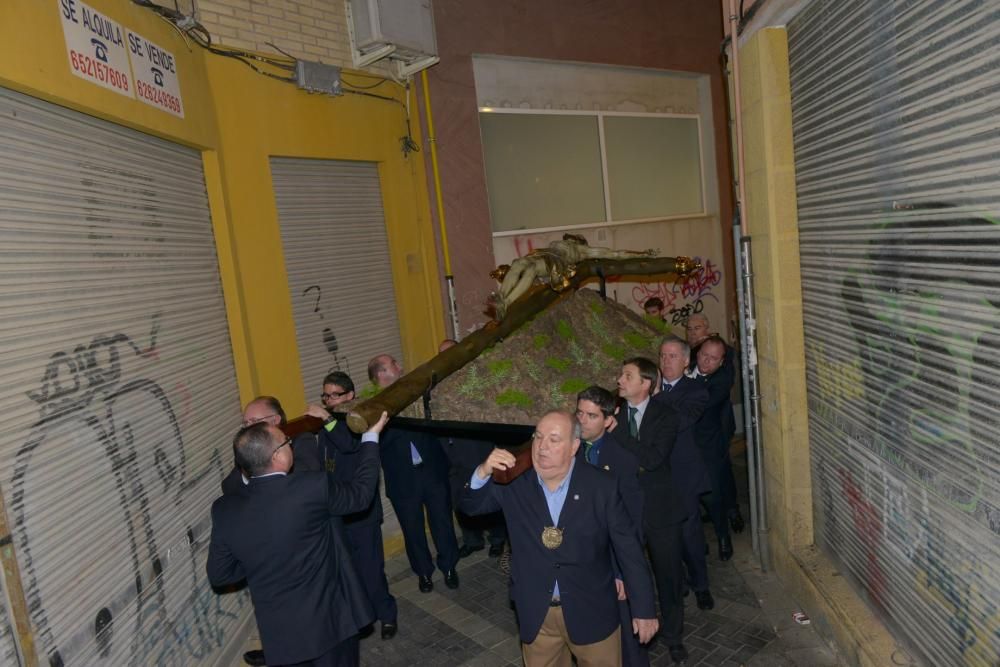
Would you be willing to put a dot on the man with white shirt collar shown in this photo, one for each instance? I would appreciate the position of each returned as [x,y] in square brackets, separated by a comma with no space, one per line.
[281,524]
[416,483]
[688,397]
[568,527]
[268,410]
[713,433]
[648,429]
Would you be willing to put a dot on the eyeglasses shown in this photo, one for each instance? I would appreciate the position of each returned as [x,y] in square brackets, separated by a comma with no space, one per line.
[337,394]
[251,422]
[288,441]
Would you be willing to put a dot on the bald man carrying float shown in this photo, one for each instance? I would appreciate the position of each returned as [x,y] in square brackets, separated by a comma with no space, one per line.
[563,520]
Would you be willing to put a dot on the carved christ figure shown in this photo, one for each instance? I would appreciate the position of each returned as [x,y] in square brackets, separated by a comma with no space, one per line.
[553,265]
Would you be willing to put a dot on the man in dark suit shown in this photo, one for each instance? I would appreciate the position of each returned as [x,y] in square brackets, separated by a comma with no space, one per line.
[416,477]
[697,330]
[464,455]
[713,433]
[342,454]
[648,430]
[688,398]
[277,535]
[564,521]
[268,410]
[595,409]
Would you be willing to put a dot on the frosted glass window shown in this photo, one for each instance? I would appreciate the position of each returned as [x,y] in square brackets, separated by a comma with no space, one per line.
[542,170]
[654,166]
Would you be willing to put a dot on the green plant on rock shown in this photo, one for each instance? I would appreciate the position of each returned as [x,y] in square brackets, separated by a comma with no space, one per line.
[597,308]
[564,330]
[579,356]
[540,341]
[616,352]
[599,329]
[474,384]
[500,368]
[371,389]
[656,322]
[532,370]
[556,397]
[638,341]
[561,365]
[573,386]
[514,398]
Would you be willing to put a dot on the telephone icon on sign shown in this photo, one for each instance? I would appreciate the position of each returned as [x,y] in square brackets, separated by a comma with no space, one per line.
[100,49]
[157,76]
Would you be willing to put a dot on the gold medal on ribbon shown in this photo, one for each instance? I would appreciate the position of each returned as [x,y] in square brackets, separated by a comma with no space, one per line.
[552,537]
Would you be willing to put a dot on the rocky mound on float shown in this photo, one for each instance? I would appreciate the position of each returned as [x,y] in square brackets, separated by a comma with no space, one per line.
[579,341]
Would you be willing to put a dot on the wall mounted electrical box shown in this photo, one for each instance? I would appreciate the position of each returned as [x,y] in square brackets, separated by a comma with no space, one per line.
[401,30]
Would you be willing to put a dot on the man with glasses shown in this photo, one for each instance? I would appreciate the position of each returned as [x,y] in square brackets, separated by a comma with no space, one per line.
[277,535]
[341,452]
[268,410]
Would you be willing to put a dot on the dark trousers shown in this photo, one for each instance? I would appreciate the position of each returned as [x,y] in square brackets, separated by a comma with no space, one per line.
[474,528]
[634,654]
[345,654]
[666,556]
[432,494]
[722,500]
[365,540]
[694,544]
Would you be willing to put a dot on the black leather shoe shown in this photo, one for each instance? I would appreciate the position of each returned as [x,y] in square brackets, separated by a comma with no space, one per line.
[389,630]
[705,600]
[496,550]
[367,631]
[426,584]
[725,548]
[254,658]
[736,522]
[465,550]
[451,579]
[677,652]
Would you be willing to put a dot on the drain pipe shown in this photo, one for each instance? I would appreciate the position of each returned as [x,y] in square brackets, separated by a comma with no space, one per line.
[748,324]
[432,140]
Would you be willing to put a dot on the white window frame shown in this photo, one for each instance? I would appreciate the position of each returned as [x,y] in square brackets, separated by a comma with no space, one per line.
[601,115]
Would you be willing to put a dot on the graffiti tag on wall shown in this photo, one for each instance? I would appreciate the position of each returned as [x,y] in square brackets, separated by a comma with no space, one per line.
[102,522]
[684,297]
[903,412]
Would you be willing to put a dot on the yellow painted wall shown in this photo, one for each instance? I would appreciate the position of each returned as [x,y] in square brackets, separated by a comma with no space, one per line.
[240,118]
[771,210]
[261,117]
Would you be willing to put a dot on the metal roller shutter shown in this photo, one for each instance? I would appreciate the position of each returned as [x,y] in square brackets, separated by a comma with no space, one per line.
[895,110]
[337,258]
[119,393]
[339,276]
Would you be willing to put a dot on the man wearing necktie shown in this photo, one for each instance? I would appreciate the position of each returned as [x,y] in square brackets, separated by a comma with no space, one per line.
[688,397]
[595,409]
[655,426]
[564,520]
[416,478]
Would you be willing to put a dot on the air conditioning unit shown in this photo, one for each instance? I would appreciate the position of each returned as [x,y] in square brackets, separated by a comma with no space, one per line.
[401,30]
